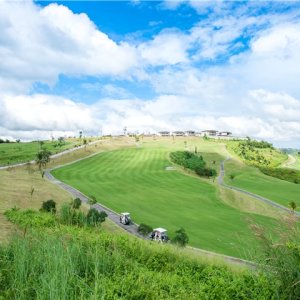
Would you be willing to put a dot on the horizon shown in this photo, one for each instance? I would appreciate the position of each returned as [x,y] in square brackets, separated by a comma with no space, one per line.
[101,66]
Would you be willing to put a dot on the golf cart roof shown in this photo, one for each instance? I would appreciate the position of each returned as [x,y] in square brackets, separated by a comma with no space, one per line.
[159,229]
[125,213]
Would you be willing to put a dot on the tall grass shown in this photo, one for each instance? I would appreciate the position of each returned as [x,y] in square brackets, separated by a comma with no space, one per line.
[83,263]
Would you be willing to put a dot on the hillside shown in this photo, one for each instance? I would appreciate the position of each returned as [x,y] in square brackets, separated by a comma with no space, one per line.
[55,261]
[138,180]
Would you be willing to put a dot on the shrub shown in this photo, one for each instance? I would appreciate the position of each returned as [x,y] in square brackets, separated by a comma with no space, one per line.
[49,206]
[181,238]
[92,200]
[94,217]
[144,229]
[283,174]
[193,162]
[76,203]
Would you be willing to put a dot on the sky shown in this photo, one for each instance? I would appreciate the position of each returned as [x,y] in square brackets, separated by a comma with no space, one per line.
[97,67]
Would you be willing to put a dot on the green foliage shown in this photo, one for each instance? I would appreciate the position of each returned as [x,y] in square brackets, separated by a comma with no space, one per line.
[94,217]
[69,216]
[82,263]
[283,174]
[281,258]
[144,229]
[43,157]
[193,162]
[181,238]
[257,153]
[92,200]
[49,206]
[30,218]
[231,176]
[76,203]
[293,205]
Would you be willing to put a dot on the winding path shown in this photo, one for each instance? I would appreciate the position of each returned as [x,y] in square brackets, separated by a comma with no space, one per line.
[221,183]
[132,229]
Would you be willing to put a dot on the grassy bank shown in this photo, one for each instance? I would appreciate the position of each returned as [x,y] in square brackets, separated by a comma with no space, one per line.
[67,262]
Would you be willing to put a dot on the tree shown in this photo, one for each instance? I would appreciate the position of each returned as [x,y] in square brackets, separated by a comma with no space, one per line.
[181,238]
[94,217]
[76,203]
[80,134]
[144,229]
[232,176]
[293,205]
[92,200]
[43,157]
[49,206]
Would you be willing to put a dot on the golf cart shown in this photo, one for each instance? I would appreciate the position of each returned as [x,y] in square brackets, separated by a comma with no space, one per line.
[160,235]
[125,218]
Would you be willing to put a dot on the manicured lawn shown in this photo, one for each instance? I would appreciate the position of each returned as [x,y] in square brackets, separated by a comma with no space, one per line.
[136,180]
[11,153]
[251,179]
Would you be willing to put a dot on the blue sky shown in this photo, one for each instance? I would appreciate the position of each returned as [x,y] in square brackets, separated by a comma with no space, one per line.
[99,66]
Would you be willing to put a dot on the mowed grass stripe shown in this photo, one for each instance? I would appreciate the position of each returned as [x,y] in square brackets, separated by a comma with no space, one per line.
[135,180]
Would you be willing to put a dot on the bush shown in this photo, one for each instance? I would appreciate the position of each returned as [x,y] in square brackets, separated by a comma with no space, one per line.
[92,200]
[144,229]
[69,216]
[94,217]
[193,162]
[76,203]
[181,238]
[49,206]
[283,174]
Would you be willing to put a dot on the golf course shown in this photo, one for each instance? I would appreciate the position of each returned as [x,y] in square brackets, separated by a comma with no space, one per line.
[142,180]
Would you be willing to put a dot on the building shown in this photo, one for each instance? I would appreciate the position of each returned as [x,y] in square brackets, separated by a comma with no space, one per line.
[164,133]
[224,133]
[178,133]
[209,132]
[190,133]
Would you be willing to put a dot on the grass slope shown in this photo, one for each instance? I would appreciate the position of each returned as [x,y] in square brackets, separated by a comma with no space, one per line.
[65,262]
[11,153]
[251,179]
[136,180]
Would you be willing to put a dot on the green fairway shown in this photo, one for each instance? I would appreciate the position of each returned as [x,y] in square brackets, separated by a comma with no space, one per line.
[252,180]
[11,153]
[136,180]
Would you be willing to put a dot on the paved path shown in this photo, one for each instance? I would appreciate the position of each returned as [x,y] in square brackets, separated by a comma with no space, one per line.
[52,156]
[221,182]
[289,163]
[132,229]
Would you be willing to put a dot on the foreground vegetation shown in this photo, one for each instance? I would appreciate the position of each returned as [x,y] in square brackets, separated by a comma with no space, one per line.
[57,261]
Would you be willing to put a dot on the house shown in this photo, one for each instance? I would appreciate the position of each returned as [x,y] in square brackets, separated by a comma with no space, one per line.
[224,133]
[190,133]
[178,133]
[164,133]
[209,132]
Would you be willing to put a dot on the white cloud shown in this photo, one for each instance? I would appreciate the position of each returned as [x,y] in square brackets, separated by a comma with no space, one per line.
[39,44]
[45,113]
[168,47]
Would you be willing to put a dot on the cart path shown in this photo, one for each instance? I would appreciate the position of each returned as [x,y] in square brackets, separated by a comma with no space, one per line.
[289,162]
[263,199]
[132,229]
[52,156]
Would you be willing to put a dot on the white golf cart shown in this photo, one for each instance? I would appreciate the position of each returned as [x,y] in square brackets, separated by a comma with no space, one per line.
[160,235]
[125,218]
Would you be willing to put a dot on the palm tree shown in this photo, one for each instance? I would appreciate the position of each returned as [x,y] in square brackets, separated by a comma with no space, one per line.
[42,158]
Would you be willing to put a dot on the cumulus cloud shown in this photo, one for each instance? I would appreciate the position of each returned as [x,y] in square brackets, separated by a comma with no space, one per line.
[39,44]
